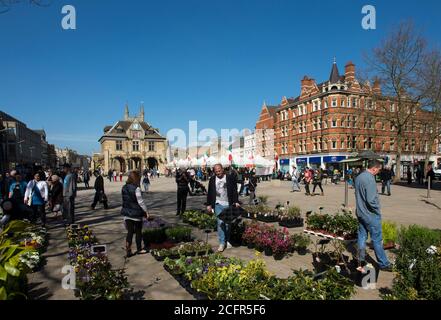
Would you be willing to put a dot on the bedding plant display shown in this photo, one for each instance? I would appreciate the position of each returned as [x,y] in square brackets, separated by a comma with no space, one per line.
[417,265]
[21,245]
[267,238]
[196,248]
[201,220]
[220,278]
[290,217]
[301,243]
[95,278]
[341,225]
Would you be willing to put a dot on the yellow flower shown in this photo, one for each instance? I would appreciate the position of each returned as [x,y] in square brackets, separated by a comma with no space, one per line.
[86,238]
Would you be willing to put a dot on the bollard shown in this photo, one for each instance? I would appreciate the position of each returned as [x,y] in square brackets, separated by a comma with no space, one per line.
[346,193]
[428,188]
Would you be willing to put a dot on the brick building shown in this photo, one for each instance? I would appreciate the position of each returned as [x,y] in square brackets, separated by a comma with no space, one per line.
[265,131]
[332,120]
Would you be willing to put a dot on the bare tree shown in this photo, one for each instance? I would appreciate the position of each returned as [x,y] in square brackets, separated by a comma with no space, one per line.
[394,66]
[430,84]
[5,5]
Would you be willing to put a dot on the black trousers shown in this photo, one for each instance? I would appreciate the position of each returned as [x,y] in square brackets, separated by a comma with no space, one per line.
[307,188]
[182,200]
[319,184]
[86,183]
[39,211]
[134,227]
[99,197]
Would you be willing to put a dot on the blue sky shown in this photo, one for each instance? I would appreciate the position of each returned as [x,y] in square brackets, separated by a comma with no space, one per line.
[206,60]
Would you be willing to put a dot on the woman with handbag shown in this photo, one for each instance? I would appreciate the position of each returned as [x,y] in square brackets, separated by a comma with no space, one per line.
[36,196]
[133,210]
[56,195]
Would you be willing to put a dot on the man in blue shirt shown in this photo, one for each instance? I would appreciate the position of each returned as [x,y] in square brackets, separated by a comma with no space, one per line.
[369,215]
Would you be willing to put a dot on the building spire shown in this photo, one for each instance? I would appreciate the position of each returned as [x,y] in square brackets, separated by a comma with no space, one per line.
[141,113]
[126,111]
[335,75]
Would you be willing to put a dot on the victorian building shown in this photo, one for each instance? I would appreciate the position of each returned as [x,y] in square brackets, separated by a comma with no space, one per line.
[132,144]
[330,121]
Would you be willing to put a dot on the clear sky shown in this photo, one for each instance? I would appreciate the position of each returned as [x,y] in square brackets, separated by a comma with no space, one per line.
[207,60]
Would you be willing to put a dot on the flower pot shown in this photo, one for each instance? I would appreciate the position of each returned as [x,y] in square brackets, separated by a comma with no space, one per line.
[389,245]
[250,245]
[302,251]
[278,256]
[268,252]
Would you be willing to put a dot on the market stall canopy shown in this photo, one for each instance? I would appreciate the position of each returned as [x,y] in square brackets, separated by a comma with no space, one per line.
[368,155]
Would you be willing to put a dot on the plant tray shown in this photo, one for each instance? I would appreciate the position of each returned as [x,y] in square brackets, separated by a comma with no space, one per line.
[328,236]
[289,224]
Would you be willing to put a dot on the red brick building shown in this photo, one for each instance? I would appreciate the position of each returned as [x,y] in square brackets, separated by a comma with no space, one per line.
[265,132]
[331,120]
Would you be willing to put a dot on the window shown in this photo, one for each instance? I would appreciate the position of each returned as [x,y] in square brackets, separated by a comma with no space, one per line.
[334,102]
[406,146]
[342,143]
[135,145]
[314,144]
[342,103]
[392,144]
[319,123]
[118,145]
[413,145]
[151,146]
[354,142]
[354,102]
[334,123]
[334,144]
[392,107]
[370,143]
[349,102]
[304,109]
[326,104]
[314,124]
[300,110]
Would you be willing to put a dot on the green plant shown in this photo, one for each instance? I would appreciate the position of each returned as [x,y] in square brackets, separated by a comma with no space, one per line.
[294,212]
[178,234]
[154,235]
[263,199]
[12,271]
[418,264]
[301,241]
[390,232]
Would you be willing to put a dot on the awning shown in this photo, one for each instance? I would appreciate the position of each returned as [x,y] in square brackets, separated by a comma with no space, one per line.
[350,160]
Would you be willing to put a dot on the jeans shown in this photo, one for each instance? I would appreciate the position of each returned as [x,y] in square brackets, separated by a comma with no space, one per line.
[295,185]
[223,229]
[68,209]
[146,187]
[371,224]
[385,184]
[319,184]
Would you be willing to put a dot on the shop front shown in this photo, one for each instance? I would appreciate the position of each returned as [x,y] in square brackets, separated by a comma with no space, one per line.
[284,165]
[333,162]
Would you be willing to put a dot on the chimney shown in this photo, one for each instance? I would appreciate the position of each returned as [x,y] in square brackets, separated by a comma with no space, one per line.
[377,87]
[350,72]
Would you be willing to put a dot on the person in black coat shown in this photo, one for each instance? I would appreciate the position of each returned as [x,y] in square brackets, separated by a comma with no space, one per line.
[222,194]
[182,180]
[100,196]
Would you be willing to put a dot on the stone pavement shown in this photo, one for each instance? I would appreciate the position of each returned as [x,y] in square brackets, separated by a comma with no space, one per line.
[148,277]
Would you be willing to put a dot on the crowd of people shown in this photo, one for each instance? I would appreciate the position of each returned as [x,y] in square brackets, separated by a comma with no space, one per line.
[31,197]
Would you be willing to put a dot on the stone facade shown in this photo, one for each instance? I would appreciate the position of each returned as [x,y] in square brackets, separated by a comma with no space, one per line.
[132,144]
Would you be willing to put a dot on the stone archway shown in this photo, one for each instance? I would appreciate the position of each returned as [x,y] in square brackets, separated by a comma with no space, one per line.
[119,164]
[152,162]
[135,163]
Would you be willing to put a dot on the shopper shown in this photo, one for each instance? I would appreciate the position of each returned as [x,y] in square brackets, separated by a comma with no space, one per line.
[36,196]
[318,177]
[307,178]
[55,194]
[146,182]
[368,211]
[295,179]
[386,178]
[134,210]
[69,194]
[100,195]
[182,181]
[222,194]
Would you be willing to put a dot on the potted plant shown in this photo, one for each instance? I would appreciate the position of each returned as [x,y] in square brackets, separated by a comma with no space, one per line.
[291,218]
[301,243]
[390,234]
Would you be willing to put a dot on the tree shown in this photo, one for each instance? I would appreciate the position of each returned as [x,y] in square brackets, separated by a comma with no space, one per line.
[395,65]
[430,84]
